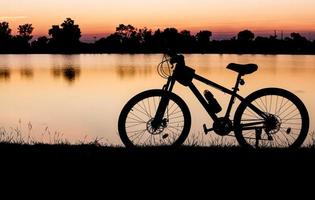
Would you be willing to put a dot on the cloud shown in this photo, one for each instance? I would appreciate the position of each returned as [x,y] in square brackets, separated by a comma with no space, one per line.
[12,17]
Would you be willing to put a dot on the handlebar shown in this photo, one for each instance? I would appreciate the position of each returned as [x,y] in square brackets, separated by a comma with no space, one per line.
[175,58]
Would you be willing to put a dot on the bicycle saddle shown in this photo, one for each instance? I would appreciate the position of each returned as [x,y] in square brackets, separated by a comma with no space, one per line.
[243,69]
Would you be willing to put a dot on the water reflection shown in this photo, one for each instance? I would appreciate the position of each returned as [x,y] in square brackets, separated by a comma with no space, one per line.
[69,73]
[133,71]
[126,71]
[5,74]
[27,73]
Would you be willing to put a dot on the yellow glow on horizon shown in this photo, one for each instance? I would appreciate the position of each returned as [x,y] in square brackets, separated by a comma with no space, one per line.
[101,17]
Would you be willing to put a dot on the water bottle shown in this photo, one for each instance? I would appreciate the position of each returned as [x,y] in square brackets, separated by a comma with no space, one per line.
[213,103]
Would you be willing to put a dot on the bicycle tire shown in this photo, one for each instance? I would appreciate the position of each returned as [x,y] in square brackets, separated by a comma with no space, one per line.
[275,95]
[145,100]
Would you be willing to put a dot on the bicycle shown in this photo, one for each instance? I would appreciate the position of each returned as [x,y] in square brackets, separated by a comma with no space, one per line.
[270,117]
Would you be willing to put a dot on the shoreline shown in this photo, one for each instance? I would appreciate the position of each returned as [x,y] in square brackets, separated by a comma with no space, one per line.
[89,151]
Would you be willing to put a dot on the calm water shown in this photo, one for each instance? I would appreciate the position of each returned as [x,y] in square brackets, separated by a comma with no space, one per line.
[79,97]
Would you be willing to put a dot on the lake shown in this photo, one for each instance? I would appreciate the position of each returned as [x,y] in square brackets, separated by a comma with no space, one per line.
[79,97]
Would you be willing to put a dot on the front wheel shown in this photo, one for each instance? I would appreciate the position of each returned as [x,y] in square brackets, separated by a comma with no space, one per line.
[285,125]
[135,124]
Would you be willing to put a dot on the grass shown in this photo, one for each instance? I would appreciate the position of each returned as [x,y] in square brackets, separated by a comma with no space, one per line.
[15,135]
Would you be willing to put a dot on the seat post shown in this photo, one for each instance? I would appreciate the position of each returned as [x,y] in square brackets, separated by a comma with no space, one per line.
[237,84]
[235,90]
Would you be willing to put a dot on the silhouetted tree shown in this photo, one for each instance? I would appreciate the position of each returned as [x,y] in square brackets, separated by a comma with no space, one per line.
[298,42]
[146,39]
[25,31]
[187,41]
[125,31]
[112,43]
[67,36]
[298,37]
[158,42]
[246,36]
[203,40]
[204,37]
[40,44]
[21,41]
[5,35]
[129,37]
[171,38]
[145,35]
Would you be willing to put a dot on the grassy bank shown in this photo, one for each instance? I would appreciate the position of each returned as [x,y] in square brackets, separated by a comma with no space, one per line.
[94,152]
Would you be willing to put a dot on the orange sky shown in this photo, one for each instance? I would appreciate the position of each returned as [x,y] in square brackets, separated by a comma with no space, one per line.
[221,17]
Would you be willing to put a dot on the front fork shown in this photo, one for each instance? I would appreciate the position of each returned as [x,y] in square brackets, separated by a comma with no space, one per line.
[162,107]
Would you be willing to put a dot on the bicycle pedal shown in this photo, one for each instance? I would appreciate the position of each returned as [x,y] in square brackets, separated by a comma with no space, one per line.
[206,130]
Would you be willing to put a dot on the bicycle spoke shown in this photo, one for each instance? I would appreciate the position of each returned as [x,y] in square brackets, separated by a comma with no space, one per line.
[170,108]
[281,108]
[249,115]
[141,120]
[145,108]
[264,105]
[177,128]
[295,115]
[276,108]
[138,125]
[253,113]
[172,113]
[149,106]
[258,105]
[176,122]
[137,120]
[177,117]
[142,112]
[138,135]
[270,104]
[131,126]
[142,108]
[286,110]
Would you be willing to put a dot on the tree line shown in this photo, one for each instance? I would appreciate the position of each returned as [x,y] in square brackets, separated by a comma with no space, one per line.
[65,38]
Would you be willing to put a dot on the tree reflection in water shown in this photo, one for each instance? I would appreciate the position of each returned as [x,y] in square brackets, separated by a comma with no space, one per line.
[69,73]
[5,74]
[27,73]
[132,71]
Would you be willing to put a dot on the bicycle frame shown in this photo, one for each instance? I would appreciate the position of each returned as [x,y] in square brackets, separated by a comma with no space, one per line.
[185,76]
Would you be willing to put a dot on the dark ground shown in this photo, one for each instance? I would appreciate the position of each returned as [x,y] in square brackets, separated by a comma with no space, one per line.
[192,169]
[205,158]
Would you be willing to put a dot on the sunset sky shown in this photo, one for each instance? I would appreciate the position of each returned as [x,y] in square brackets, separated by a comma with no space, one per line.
[100,17]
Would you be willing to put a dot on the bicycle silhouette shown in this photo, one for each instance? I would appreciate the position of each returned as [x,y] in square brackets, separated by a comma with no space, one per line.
[270,117]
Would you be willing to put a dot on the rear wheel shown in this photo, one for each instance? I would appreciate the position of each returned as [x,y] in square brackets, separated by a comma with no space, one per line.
[286,125]
[135,124]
